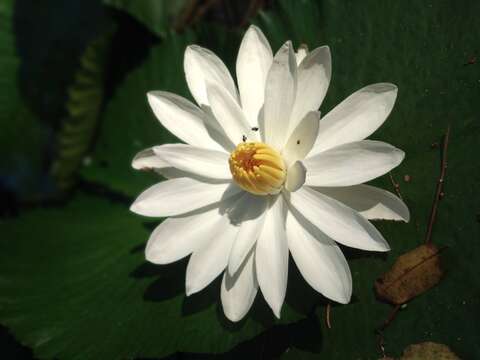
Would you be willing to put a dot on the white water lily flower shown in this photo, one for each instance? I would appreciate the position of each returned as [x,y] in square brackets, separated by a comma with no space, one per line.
[261,176]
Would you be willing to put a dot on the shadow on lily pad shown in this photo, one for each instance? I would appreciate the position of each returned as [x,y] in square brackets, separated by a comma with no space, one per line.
[169,280]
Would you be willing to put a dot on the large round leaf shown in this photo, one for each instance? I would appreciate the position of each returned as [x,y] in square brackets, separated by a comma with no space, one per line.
[129,125]
[424,48]
[75,285]
[157,15]
[21,135]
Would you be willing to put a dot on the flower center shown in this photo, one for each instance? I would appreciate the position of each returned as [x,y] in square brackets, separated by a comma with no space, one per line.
[257,168]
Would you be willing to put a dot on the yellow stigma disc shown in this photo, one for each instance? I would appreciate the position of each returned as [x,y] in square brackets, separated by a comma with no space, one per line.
[257,168]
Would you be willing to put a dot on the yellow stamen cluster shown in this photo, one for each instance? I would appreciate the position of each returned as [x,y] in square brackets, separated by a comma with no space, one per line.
[257,168]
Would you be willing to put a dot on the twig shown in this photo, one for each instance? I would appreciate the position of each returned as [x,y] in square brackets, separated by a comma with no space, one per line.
[390,318]
[395,185]
[327,315]
[381,344]
[439,192]
[438,195]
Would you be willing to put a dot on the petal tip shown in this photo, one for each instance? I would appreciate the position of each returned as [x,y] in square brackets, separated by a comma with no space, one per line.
[150,96]
[153,96]
[344,298]
[191,48]
[153,100]
[276,308]
[150,257]
[385,87]
[400,154]
[189,290]
[138,207]
[325,49]
[135,208]
[253,28]
[232,268]
[233,317]
[384,247]
[277,313]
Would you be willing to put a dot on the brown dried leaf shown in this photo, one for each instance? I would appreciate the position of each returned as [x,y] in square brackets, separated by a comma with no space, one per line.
[412,274]
[428,351]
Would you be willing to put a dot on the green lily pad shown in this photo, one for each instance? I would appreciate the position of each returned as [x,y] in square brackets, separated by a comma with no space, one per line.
[84,102]
[157,15]
[424,48]
[82,289]
[21,135]
[129,125]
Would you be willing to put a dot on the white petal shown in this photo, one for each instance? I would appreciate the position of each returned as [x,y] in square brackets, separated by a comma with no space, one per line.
[302,139]
[351,164]
[195,160]
[357,117]
[179,196]
[371,202]
[147,159]
[215,130]
[174,173]
[280,92]
[177,237]
[301,53]
[271,257]
[202,66]
[319,260]
[253,62]
[182,118]
[261,124]
[313,78]
[207,263]
[337,221]
[238,292]
[251,223]
[228,113]
[296,175]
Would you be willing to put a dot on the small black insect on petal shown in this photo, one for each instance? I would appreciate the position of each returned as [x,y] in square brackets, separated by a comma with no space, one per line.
[298,142]
[244,138]
[254,128]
